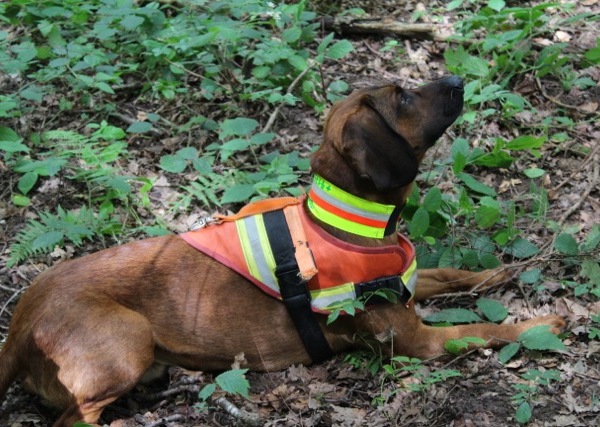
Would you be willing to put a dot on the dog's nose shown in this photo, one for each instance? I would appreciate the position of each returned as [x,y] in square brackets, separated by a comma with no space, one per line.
[454,82]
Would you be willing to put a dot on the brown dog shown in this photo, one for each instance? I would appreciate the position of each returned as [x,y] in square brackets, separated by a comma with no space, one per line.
[87,330]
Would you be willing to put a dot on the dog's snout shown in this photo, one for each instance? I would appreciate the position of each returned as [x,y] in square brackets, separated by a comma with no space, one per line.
[453,83]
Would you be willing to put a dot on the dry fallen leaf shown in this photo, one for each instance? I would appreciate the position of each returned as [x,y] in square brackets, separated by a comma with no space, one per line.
[562,37]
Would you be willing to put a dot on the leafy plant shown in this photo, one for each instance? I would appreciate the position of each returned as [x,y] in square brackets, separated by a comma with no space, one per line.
[421,378]
[75,226]
[527,391]
[233,381]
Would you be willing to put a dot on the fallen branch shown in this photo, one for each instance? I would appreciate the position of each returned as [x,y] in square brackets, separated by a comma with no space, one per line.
[356,25]
[242,416]
[165,421]
[593,185]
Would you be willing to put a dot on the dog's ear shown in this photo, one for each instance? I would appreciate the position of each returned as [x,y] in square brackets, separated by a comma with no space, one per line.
[376,152]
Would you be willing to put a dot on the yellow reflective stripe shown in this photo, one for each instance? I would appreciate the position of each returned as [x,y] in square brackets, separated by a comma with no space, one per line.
[329,298]
[409,278]
[257,250]
[351,199]
[344,224]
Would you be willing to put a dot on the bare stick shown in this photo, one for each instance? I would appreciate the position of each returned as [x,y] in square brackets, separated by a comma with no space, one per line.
[244,417]
[289,90]
[593,185]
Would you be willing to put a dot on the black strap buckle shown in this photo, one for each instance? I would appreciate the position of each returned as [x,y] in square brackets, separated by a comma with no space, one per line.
[368,290]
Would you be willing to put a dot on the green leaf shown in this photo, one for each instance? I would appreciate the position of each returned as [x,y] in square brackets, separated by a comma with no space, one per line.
[298,62]
[566,244]
[131,22]
[487,214]
[240,126]
[232,146]
[433,199]
[531,276]
[234,381]
[291,35]
[489,261]
[593,55]
[523,414]
[27,182]
[339,49]
[476,66]
[173,163]
[525,142]
[20,200]
[187,153]
[456,346]
[508,352]
[419,223]
[592,240]
[33,93]
[139,127]
[492,310]
[46,167]
[47,240]
[497,5]
[202,165]
[453,315]
[534,173]
[591,270]
[451,257]
[522,248]
[540,338]
[475,185]
[262,138]
[10,141]
[207,391]
[104,87]
[237,193]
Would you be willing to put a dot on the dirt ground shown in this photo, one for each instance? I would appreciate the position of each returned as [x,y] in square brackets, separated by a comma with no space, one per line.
[343,391]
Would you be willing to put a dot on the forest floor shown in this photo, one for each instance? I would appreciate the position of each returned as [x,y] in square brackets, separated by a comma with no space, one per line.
[344,391]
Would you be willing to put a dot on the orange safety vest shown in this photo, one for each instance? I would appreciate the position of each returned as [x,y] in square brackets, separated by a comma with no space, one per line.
[336,271]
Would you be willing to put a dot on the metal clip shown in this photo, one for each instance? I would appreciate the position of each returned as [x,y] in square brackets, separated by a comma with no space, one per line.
[204,222]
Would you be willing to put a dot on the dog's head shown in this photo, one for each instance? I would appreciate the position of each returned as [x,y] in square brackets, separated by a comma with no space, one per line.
[375,138]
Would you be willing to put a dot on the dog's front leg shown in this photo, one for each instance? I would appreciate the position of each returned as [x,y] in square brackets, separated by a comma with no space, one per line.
[409,336]
[437,281]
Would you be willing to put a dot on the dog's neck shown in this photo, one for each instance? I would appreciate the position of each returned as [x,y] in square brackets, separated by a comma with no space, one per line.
[345,212]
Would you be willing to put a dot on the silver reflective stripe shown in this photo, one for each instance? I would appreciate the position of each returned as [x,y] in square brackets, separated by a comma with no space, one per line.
[347,207]
[257,250]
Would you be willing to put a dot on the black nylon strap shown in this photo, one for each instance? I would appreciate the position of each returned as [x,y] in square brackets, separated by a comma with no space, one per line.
[392,224]
[390,283]
[294,292]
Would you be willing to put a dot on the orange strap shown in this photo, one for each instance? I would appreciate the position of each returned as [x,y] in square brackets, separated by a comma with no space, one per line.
[304,256]
[262,206]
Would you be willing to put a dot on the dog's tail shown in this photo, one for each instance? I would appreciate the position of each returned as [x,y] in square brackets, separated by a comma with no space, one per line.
[9,368]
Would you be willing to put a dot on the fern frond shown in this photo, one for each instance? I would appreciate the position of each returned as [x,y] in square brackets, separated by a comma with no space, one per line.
[40,237]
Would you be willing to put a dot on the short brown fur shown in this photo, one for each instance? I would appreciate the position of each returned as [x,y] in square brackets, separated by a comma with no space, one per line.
[87,330]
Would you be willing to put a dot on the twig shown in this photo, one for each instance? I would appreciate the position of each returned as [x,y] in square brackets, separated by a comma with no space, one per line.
[165,420]
[562,104]
[289,90]
[244,417]
[593,185]
[579,169]
[169,392]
